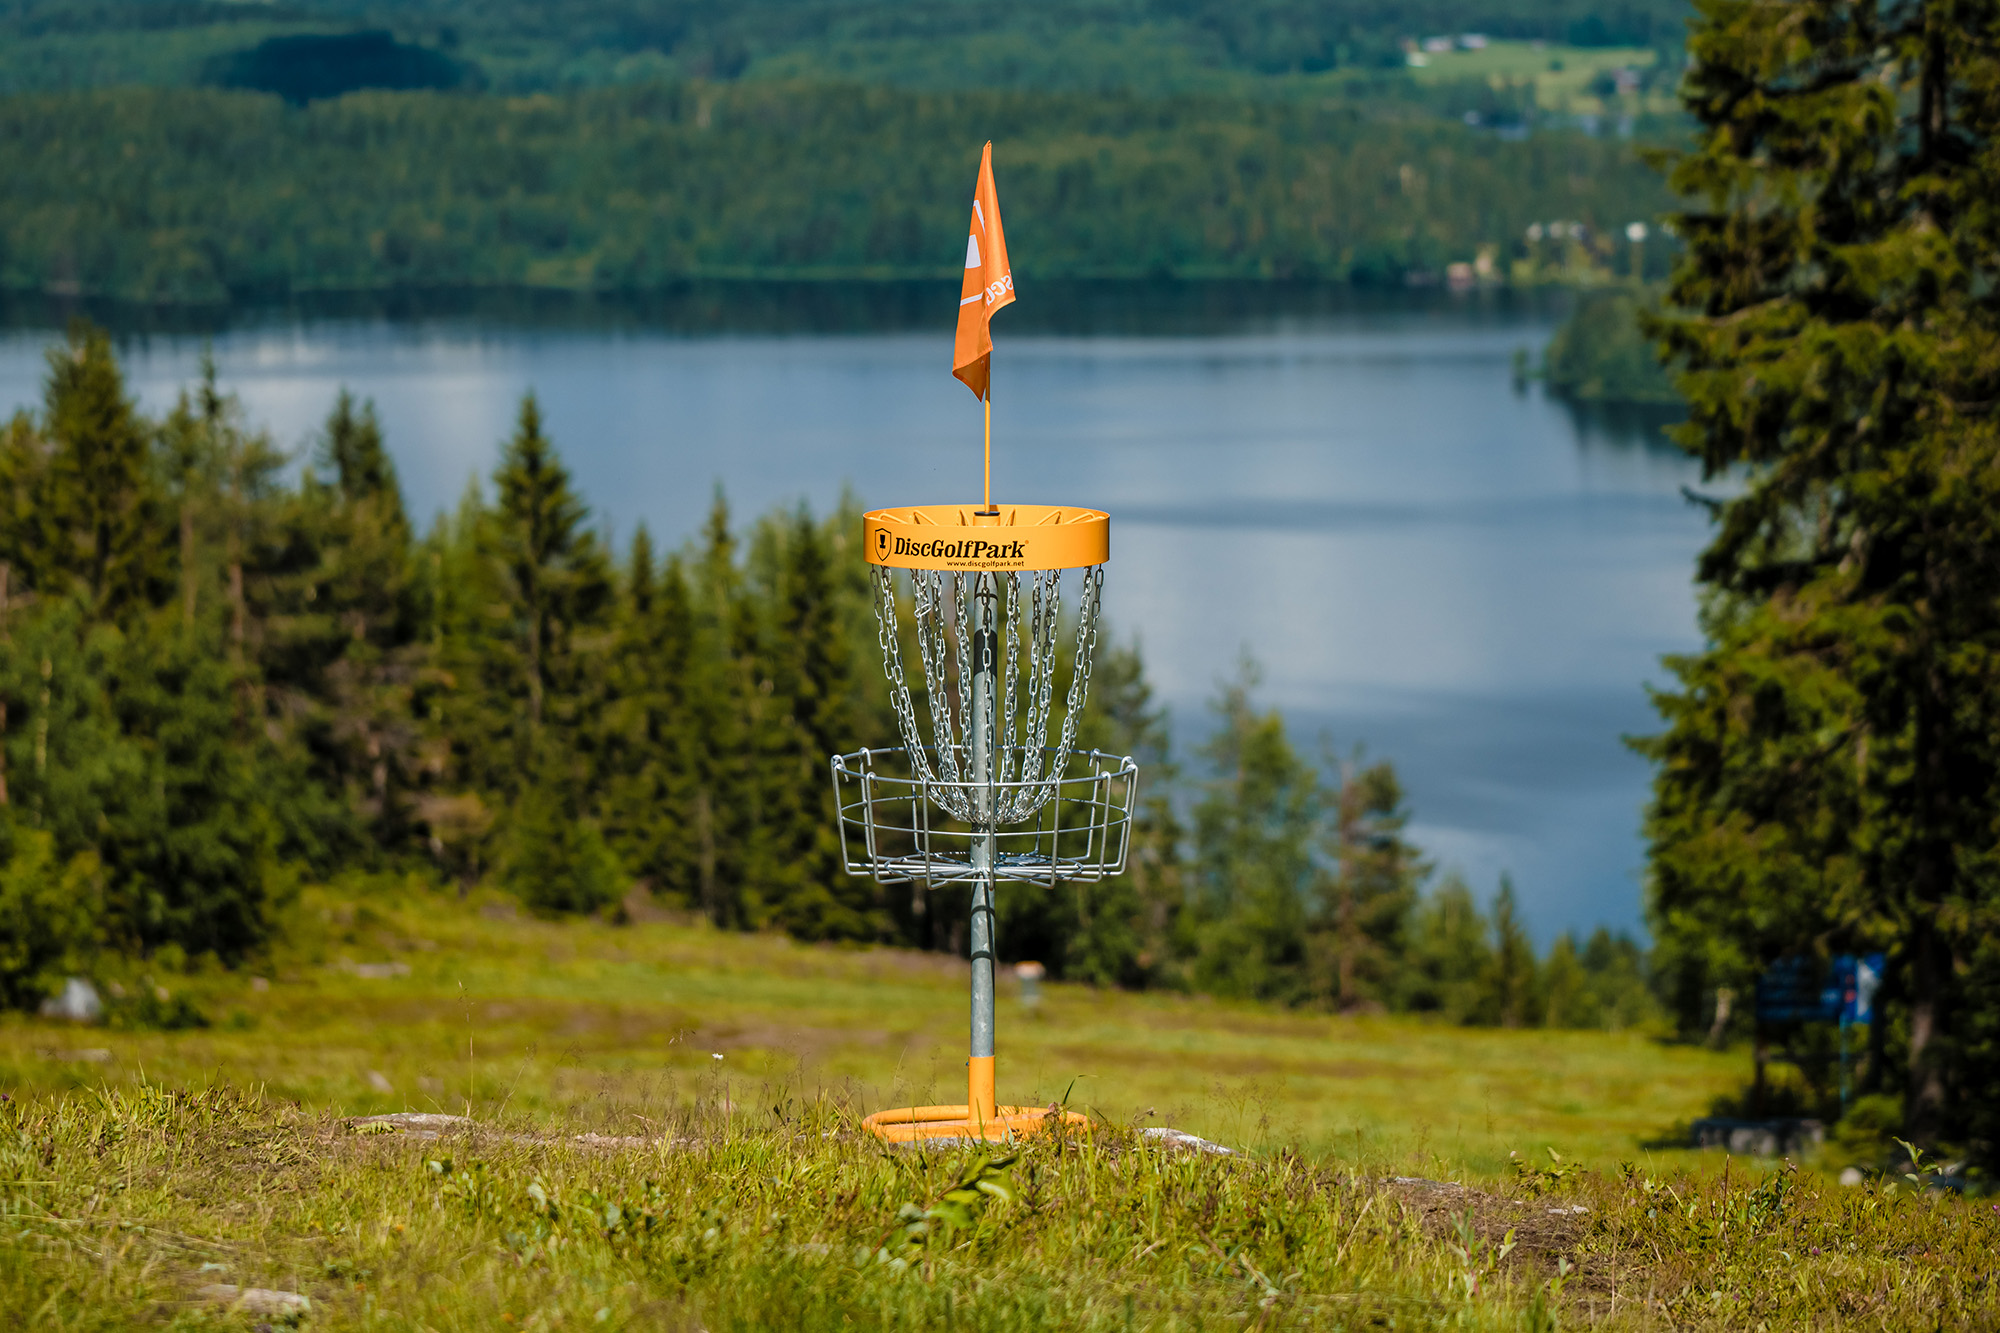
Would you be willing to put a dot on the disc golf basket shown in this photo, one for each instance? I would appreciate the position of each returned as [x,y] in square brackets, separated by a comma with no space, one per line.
[994,790]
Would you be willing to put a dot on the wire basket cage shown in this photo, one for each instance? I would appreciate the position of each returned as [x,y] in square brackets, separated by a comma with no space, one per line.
[991,650]
[897,824]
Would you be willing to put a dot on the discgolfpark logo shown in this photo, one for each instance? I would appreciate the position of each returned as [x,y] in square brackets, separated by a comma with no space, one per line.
[970,549]
[1025,537]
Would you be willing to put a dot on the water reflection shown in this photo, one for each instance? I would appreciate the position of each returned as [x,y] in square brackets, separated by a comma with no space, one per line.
[1475,581]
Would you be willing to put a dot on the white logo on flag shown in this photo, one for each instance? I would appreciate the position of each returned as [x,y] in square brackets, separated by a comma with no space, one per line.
[971,251]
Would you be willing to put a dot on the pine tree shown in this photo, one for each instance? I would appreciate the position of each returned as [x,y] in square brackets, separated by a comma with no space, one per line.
[359,609]
[1567,998]
[1616,969]
[550,569]
[647,761]
[94,519]
[810,669]
[1450,956]
[1830,775]
[1365,895]
[1512,982]
[721,693]
[1253,853]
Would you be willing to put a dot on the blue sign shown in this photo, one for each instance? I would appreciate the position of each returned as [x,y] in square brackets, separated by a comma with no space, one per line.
[1796,990]
[1859,977]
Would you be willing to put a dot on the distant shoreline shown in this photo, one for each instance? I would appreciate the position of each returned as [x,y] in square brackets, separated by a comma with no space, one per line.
[780,305]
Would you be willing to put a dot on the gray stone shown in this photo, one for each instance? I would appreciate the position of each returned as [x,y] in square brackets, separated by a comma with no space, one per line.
[1757,1138]
[78,1002]
[256,1300]
[1180,1138]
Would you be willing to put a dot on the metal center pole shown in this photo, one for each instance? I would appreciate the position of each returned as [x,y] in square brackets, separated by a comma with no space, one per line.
[980,1097]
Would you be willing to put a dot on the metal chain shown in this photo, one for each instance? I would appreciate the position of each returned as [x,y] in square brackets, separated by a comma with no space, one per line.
[943,608]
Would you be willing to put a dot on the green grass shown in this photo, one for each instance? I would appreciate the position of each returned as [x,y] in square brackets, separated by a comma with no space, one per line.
[738,1194]
[597,1024]
[1561,75]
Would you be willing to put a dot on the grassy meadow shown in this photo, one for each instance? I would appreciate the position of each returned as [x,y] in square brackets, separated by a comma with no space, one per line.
[662,1134]
[411,1001]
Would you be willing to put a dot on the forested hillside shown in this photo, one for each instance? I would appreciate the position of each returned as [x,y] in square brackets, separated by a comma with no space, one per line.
[209,195]
[219,682]
[1147,46]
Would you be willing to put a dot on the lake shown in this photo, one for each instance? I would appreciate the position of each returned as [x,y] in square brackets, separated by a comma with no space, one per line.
[1471,579]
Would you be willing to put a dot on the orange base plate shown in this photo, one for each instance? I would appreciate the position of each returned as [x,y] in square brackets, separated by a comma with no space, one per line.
[913,1124]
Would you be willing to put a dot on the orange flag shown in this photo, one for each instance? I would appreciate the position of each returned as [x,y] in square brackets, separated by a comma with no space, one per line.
[989,283]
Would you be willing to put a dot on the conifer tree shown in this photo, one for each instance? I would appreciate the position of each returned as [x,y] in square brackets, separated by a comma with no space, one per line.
[722,691]
[551,584]
[1450,955]
[1511,980]
[550,570]
[361,603]
[1368,888]
[94,518]
[646,757]
[1253,853]
[1830,777]
[811,660]
[1567,1001]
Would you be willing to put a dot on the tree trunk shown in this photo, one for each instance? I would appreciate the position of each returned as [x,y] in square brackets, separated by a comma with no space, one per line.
[6,572]
[534,671]
[187,563]
[704,825]
[1929,972]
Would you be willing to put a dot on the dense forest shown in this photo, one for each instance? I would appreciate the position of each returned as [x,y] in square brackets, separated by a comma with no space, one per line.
[221,678]
[211,196]
[1146,46]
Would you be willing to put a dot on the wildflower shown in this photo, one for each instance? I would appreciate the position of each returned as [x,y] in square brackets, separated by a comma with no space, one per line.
[718,1055]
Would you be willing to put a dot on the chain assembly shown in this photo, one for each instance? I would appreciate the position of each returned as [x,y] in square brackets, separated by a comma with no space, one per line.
[1007,624]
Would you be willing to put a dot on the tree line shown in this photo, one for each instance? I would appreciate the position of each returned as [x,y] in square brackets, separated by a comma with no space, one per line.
[1148,46]
[189,195]
[1828,781]
[222,677]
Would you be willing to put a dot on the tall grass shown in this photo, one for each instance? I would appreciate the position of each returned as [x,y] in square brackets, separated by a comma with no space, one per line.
[121,1205]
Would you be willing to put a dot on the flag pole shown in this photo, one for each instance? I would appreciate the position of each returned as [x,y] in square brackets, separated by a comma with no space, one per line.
[988,506]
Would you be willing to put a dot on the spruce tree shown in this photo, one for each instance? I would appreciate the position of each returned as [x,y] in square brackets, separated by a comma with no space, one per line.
[1830,776]
[646,757]
[1450,956]
[94,520]
[360,601]
[811,669]
[1567,999]
[552,588]
[550,570]
[1512,981]
[722,713]
[1253,853]
[1368,887]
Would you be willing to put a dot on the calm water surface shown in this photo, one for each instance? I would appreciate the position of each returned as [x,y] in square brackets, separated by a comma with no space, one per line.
[1471,580]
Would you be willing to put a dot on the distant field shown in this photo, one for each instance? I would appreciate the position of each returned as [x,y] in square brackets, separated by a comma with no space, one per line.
[605,1026]
[1561,75]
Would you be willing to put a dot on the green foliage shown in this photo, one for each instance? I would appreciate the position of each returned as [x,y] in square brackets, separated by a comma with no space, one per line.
[1147,45]
[1828,780]
[236,195]
[1451,956]
[1600,354]
[303,68]
[304,689]
[1253,853]
[50,908]
[557,862]
[920,1232]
